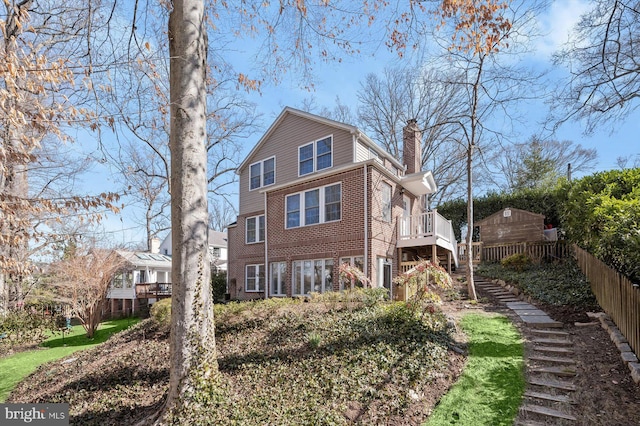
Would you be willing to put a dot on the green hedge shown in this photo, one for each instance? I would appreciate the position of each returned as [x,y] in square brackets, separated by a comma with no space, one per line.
[601,213]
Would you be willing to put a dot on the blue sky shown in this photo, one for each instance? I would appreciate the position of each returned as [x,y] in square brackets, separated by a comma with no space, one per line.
[343,80]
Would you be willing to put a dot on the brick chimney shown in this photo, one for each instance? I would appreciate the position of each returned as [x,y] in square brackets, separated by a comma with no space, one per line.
[412,147]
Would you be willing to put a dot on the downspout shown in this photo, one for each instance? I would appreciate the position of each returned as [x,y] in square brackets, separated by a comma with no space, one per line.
[366,224]
[266,260]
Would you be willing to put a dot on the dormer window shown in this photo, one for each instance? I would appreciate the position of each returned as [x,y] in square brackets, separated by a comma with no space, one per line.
[262,173]
[315,156]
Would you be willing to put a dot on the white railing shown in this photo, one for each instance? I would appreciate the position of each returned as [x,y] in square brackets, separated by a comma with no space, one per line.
[427,224]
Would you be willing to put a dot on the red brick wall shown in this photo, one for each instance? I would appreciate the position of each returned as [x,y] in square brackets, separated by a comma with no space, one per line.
[331,240]
[240,255]
[334,240]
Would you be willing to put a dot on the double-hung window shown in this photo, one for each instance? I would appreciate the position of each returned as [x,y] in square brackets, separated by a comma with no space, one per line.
[254,278]
[315,156]
[255,229]
[314,206]
[262,173]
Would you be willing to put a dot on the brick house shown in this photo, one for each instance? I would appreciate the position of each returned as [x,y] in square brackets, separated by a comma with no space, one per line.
[315,193]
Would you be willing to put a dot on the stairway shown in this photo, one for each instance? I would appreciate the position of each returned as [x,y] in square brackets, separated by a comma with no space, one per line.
[550,368]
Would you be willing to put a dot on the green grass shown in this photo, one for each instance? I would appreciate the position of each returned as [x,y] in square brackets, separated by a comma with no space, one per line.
[490,390]
[16,367]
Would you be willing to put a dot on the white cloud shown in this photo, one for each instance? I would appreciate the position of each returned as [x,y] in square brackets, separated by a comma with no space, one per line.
[557,23]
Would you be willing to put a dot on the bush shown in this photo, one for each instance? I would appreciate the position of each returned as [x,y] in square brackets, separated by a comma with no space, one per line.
[558,284]
[24,326]
[219,286]
[161,312]
[601,213]
[518,262]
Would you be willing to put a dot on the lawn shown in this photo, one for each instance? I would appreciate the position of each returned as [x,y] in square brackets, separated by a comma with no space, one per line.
[490,389]
[16,367]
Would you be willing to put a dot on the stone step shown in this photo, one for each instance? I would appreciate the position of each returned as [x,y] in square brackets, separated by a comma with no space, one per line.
[553,349]
[545,341]
[546,411]
[547,396]
[556,371]
[555,359]
[550,333]
[556,384]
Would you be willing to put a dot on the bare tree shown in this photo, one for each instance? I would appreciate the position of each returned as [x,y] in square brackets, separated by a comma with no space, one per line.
[82,281]
[540,162]
[143,176]
[40,45]
[626,162]
[387,102]
[481,37]
[221,214]
[604,63]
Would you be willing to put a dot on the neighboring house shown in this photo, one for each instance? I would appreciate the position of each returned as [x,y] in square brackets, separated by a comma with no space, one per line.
[315,193]
[218,252]
[145,278]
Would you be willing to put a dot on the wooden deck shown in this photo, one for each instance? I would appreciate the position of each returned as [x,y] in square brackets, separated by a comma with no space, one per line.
[153,290]
[428,229]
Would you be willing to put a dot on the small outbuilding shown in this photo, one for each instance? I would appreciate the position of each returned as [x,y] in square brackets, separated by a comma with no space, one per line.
[511,225]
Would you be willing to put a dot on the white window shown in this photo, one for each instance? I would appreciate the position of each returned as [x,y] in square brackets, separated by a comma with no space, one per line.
[314,206]
[254,278]
[278,278]
[255,229]
[315,156]
[312,276]
[386,202]
[358,262]
[262,173]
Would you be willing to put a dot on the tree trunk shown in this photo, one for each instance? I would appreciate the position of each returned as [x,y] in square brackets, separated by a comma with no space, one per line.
[193,354]
[471,287]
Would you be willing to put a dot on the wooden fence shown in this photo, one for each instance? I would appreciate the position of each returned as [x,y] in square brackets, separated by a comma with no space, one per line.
[534,249]
[616,294]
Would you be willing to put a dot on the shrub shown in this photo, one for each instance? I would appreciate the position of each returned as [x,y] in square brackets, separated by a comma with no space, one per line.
[219,286]
[601,213]
[24,326]
[161,312]
[518,262]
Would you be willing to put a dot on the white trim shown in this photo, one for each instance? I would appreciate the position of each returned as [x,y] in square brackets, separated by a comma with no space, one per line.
[256,277]
[321,206]
[261,174]
[314,155]
[246,227]
[281,279]
[267,277]
[366,221]
[323,280]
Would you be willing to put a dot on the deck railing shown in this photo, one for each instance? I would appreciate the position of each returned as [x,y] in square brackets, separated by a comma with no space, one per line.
[157,290]
[427,224]
[616,294]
